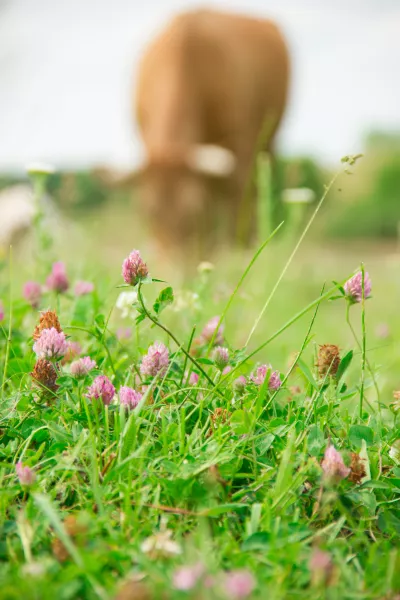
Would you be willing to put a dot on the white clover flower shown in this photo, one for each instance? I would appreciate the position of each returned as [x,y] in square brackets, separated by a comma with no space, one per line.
[126,303]
[161,545]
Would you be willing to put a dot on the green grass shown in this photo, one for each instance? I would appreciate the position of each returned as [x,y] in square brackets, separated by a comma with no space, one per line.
[235,477]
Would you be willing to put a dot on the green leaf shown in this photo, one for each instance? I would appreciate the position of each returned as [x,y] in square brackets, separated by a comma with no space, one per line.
[165,298]
[100,321]
[46,507]
[344,365]
[65,381]
[264,443]
[258,541]
[365,458]
[129,436]
[358,433]
[316,440]
[285,471]
[307,373]
[215,511]
[377,485]
[389,523]
[240,422]
[205,361]
[339,287]
[140,318]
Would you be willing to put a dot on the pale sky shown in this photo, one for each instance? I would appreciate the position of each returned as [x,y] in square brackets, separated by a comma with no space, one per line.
[67,68]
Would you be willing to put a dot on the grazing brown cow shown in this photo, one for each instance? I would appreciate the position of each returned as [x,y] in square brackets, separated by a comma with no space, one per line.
[208,86]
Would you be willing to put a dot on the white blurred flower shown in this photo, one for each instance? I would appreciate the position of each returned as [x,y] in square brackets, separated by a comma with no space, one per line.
[300,195]
[126,303]
[34,569]
[161,545]
[205,267]
[185,299]
[16,211]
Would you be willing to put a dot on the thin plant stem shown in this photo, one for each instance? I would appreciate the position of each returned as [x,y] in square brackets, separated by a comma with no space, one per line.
[101,340]
[9,330]
[364,358]
[288,262]
[185,362]
[171,335]
[303,347]
[239,285]
[277,333]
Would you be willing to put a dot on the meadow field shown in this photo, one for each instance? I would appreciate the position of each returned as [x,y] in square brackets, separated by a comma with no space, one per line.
[229,434]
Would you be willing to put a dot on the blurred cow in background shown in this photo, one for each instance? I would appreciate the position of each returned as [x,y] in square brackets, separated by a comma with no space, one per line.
[211,92]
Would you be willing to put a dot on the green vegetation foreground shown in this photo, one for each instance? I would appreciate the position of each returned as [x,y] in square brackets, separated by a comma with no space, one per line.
[166,467]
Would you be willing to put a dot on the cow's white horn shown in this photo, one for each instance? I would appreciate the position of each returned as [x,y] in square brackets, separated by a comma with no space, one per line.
[211,160]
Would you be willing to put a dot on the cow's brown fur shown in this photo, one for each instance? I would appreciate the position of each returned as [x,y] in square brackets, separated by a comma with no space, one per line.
[208,78]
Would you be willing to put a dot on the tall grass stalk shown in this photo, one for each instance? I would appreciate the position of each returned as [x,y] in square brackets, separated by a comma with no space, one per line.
[240,283]
[292,255]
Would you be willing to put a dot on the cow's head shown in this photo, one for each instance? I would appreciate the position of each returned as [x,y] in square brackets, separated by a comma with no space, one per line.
[182,196]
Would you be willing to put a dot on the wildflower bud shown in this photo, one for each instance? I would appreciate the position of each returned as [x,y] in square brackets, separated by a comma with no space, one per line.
[32,292]
[258,378]
[220,415]
[57,281]
[353,288]
[129,397]
[82,366]
[50,344]
[45,375]
[209,330]
[328,360]
[239,384]
[156,361]
[274,381]
[193,379]
[134,269]
[221,357]
[48,320]
[1,311]
[357,468]
[25,474]
[227,370]
[83,287]
[185,578]
[333,466]
[239,584]
[102,389]
[321,568]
